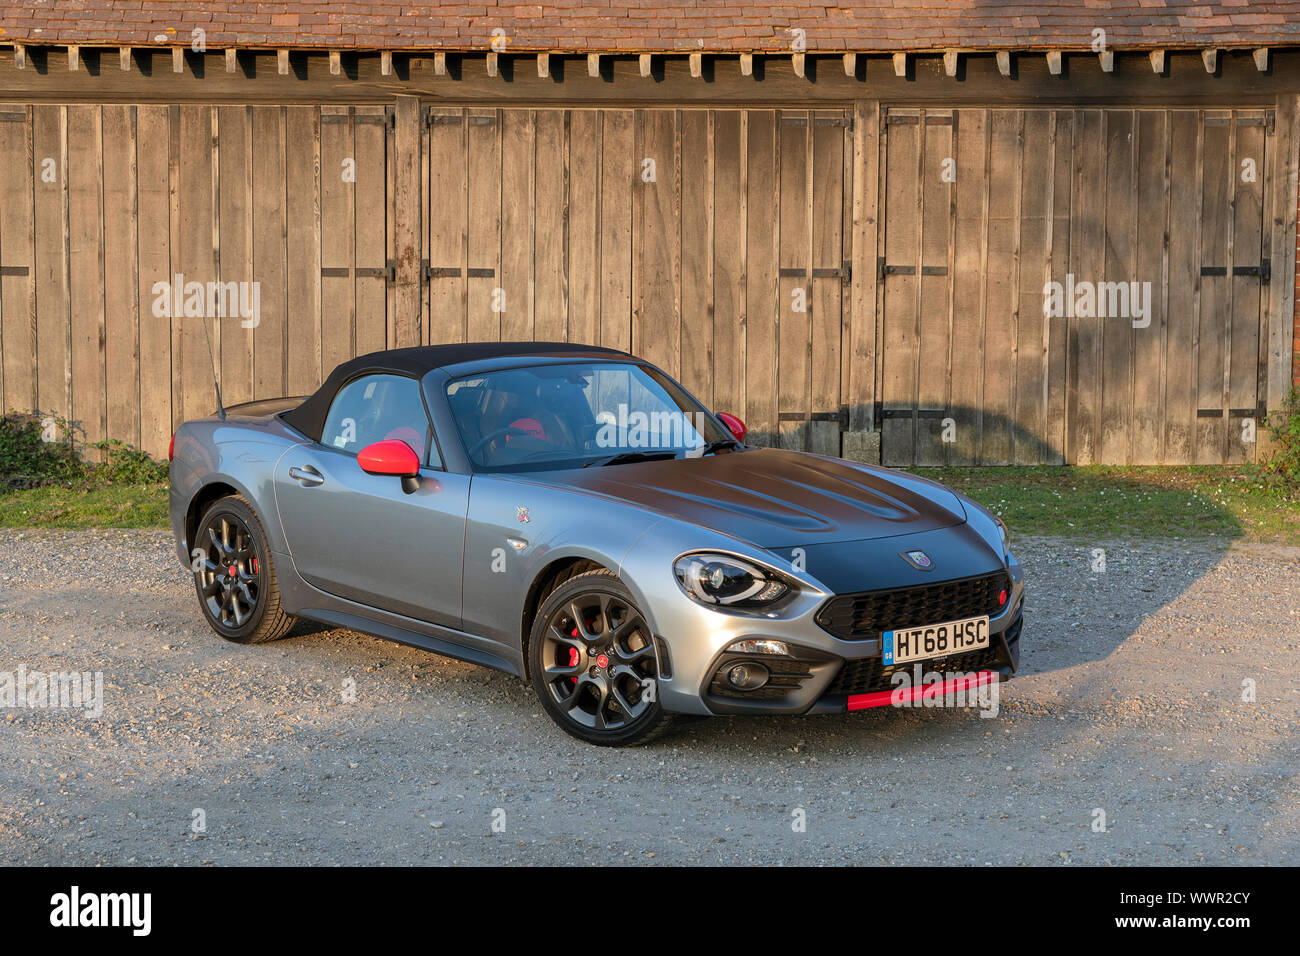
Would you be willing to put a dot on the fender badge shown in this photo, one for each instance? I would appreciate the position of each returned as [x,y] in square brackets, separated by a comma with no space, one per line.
[917,559]
[522,515]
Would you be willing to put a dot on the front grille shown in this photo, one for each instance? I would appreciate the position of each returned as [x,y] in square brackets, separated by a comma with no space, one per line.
[863,616]
[865,675]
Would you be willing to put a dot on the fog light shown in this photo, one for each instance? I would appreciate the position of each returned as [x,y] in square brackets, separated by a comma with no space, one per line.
[747,676]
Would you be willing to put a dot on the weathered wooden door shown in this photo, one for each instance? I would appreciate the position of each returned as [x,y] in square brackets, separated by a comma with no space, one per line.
[1079,286]
[711,242]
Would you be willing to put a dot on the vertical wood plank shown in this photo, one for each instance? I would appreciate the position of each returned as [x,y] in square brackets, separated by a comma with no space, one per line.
[551,227]
[618,176]
[121,271]
[794,312]
[1248,249]
[931,359]
[968,289]
[197,264]
[303,261]
[270,241]
[901,251]
[730,272]
[407,222]
[485,198]
[656,266]
[153,251]
[1087,258]
[828,223]
[1056,327]
[1037,175]
[447,224]
[338,239]
[1283,173]
[1005,159]
[1184,283]
[235,246]
[1146,410]
[17,292]
[860,392]
[762,288]
[518,206]
[86,270]
[372,212]
[53,333]
[697,264]
[1213,319]
[583,284]
[1118,272]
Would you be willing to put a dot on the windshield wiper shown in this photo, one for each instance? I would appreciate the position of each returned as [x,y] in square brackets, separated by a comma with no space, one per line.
[716,446]
[627,457]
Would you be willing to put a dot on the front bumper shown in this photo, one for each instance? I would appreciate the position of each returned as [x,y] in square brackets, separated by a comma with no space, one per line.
[824,673]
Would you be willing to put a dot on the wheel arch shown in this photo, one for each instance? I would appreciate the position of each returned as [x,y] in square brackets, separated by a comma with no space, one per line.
[212,490]
[547,580]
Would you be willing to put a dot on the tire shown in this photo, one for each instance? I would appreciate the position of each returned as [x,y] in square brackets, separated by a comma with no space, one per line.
[609,704]
[245,607]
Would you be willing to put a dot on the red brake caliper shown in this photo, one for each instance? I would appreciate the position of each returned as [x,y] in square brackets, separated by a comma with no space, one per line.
[573,655]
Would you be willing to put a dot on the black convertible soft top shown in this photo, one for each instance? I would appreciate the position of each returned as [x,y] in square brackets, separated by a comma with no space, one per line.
[309,417]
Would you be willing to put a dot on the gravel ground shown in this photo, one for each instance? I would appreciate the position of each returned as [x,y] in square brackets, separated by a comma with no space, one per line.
[1129,703]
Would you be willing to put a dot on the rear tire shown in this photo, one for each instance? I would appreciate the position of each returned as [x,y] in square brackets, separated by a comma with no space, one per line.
[593,662]
[234,575]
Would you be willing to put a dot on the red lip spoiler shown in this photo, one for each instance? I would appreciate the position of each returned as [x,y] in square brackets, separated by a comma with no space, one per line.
[883,698]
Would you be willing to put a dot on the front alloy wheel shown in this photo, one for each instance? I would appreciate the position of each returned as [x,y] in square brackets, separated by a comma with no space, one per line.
[594,664]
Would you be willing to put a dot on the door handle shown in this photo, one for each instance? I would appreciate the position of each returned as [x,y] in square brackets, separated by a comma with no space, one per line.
[308,476]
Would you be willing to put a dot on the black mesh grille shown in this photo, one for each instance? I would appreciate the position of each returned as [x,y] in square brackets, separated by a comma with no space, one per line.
[865,675]
[859,617]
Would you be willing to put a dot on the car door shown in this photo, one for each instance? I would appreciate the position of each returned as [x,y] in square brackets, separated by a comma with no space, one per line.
[360,536]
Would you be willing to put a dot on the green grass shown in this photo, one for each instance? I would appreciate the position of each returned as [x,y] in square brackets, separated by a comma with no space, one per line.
[116,505]
[1099,501]
[1087,503]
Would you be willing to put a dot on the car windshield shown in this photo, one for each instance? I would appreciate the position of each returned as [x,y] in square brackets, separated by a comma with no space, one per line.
[577,415]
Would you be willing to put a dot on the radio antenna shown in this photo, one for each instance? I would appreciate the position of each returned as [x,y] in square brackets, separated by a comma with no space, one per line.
[221,409]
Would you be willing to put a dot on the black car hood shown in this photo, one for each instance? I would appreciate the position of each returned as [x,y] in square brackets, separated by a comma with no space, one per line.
[774,498]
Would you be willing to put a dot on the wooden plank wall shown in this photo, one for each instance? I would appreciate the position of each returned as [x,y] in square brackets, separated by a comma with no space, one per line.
[99,204]
[710,242]
[1173,198]
[680,235]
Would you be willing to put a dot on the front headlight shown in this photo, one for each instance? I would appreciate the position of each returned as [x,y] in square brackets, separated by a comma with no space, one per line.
[720,579]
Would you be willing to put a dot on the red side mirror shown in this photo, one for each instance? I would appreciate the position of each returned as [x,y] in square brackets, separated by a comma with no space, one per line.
[390,457]
[734,425]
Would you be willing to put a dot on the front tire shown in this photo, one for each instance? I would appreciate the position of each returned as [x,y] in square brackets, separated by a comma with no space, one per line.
[593,662]
[234,575]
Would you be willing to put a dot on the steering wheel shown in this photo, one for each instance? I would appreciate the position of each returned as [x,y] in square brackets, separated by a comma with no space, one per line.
[494,435]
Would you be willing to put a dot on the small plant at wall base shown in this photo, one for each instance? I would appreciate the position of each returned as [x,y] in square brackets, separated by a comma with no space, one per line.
[1283,469]
[28,459]
[44,481]
[38,450]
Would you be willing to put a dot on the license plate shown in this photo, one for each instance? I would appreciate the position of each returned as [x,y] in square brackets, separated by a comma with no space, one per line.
[936,640]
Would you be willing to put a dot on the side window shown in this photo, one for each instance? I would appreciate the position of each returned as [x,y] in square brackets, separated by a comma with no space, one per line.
[375,408]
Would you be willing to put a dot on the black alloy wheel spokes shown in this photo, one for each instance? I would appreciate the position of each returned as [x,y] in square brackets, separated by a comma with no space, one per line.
[229,576]
[600,661]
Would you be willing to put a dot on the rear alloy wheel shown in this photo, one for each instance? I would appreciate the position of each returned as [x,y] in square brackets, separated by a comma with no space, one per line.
[594,664]
[234,575]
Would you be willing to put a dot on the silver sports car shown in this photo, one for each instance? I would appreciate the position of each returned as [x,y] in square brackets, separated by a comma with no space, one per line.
[571,515]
